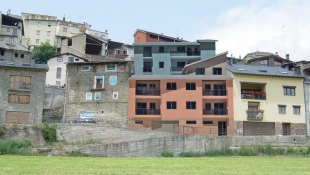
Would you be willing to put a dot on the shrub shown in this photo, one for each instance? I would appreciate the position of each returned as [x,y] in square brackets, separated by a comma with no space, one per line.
[1,132]
[77,154]
[15,147]
[167,154]
[191,154]
[49,133]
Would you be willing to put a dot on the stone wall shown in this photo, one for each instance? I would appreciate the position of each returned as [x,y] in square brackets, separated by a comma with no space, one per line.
[54,97]
[9,56]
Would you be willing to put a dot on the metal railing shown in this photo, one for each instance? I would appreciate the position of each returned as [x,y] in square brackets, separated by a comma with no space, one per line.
[255,115]
[254,96]
[14,85]
[10,42]
[142,111]
[188,53]
[215,92]
[176,69]
[147,92]
[215,111]
[147,69]
[147,54]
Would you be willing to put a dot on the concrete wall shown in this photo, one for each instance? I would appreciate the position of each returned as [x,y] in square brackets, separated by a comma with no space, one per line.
[161,57]
[207,53]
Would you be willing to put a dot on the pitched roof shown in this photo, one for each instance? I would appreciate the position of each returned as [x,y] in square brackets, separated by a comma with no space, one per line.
[55,56]
[23,65]
[144,31]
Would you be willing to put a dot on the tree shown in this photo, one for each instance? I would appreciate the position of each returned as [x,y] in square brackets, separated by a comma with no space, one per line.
[43,51]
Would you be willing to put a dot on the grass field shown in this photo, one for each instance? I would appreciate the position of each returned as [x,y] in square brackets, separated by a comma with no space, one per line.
[192,166]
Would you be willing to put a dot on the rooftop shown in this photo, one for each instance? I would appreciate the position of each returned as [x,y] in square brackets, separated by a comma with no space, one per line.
[144,31]
[213,77]
[23,65]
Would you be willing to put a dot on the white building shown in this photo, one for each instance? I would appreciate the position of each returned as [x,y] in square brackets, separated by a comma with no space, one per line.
[98,34]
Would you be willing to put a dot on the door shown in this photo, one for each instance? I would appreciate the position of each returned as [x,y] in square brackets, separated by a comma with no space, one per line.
[141,108]
[252,112]
[207,90]
[219,109]
[147,66]
[218,89]
[222,129]
[141,89]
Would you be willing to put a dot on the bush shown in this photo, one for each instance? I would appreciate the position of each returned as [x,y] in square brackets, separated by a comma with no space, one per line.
[49,133]
[15,147]
[1,132]
[77,154]
[191,154]
[167,154]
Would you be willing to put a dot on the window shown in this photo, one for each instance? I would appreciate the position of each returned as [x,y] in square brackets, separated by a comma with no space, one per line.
[71,59]
[24,99]
[282,109]
[191,122]
[190,86]
[89,96]
[99,82]
[289,91]
[208,106]
[171,86]
[1,38]
[21,55]
[39,24]
[84,68]
[38,32]
[15,32]
[16,55]
[58,72]
[8,30]
[138,122]
[207,122]
[48,33]
[59,59]
[20,82]
[125,52]
[161,64]
[97,96]
[113,80]
[296,109]
[264,62]
[77,60]
[181,49]
[64,29]
[217,71]
[171,105]
[69,42]
[111,67]
[37,41]
[161,50]
[152,106]
[190,105]
[49,24]
[115,95]
[200,71]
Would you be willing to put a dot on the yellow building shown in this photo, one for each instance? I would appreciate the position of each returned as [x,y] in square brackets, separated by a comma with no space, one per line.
[268,100]
[38,29]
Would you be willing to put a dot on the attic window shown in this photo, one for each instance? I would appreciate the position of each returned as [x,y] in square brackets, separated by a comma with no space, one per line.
[262,70]
[241,69]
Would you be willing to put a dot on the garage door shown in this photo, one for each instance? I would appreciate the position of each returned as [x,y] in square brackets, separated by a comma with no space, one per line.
[258,128]
[16,117]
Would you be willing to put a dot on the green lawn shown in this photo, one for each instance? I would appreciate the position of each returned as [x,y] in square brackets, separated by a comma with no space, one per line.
[191,166]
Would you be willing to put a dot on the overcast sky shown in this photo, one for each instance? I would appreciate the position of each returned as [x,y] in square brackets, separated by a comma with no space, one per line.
[240,26]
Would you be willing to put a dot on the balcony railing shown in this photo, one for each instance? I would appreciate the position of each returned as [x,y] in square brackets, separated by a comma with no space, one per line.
[147,92]
[147,54]
[255,115]
[215,111]
[11,43]
[14,85]
[147,70]
[147,111]
[176,69]
[254,96]
[188,53]
[215,92]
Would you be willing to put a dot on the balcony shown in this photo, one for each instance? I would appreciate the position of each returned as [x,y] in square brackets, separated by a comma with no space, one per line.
[147,92]
[255,115]
[176,69]
[253,94]
[20,86]
[147,70]
[97,87]
[215,92]
[147,54]
[147,111]
[215,111]
[188,53]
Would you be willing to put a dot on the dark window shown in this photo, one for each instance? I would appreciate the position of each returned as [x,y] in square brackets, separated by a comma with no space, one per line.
[180,64]
[190,86]
[296,109]
[147,52]
[190,105]
[208,106]
[190,122]
[207,86]
[207,122]
[289,91]
[171,86]
[138,122]
[69,42]
[200,71]
[171,105]
[282,109]
[21,55]
[16,54]
[161,64]
[71,59]
[217,71]
[161,50]
[181,49]
[152,106]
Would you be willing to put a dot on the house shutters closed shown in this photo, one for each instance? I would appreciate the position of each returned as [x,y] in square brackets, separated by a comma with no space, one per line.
[16,117]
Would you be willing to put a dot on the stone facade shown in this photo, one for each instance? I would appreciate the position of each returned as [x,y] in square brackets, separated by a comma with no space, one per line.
[111,107]
[35,90]
[16,56]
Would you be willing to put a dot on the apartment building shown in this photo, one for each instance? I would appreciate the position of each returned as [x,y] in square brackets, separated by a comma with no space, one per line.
[38,29]
[22,92]
[98,90]
[11,32]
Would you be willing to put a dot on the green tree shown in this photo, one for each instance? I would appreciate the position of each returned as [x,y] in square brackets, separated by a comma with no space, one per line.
[43,51]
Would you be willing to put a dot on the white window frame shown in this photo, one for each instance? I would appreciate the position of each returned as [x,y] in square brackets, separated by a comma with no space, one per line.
[37,41]
[91,96]
[296,107]
[112,76]
[106,68]
[48,33]
[115,94]
[64,29]
[99,95]
[38,32]
[59,59]
[95,82]
[39,24]
[85,70]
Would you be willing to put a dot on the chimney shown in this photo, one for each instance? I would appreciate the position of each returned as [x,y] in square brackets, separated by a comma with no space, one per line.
[64,18]
[32,62]
[106,31]
[276,53]
[288,56]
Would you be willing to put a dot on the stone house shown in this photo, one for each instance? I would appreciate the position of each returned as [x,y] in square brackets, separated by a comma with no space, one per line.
[22,92]
[98,90]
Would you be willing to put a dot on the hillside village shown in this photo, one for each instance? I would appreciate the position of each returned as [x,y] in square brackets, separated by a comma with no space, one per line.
[158,82]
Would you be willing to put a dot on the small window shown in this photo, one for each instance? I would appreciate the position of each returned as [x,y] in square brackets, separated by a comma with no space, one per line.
[161,64]
[171,105]
[37,41]
[1,38]
[39,24]
[217,71]
[99,82]
[16,55]
[8,30]
[190,122]
[138,122]
[200,71]
[111,67]
[190,105]
[21,55]
[85,68]
[58,72]
[38,32]
[115,95]
[77,60]
[71,59]
[190,86]
[64,29]
[69,42]
[49,24]
[171,86]
[89,96]
[59,59]
[113,80]
[14,98]
[282,109]
[161,50]
[48,33]
[207,122]
[97,95]
[296,109]
[289,91]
